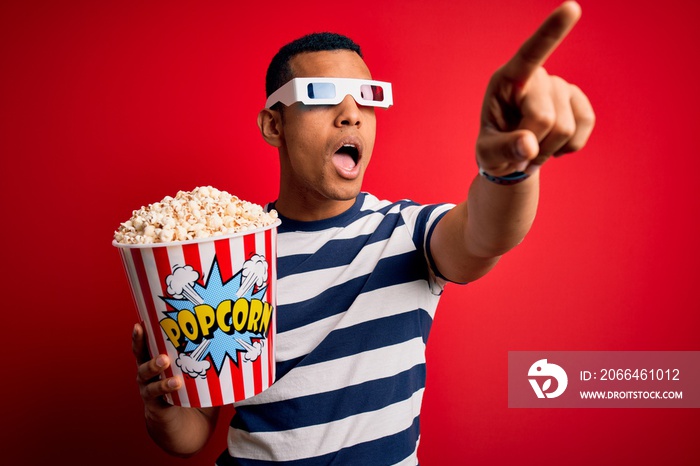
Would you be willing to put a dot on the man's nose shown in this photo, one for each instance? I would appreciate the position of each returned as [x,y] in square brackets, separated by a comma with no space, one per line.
[349,113]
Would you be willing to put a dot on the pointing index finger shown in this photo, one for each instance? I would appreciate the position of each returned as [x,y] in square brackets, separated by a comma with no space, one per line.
[535,51]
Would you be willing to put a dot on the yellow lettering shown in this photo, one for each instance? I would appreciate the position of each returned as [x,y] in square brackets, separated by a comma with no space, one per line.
[188,323]
[254,315]
[172,330]
[206,319]
[266,317]
[240,314]
[223,316]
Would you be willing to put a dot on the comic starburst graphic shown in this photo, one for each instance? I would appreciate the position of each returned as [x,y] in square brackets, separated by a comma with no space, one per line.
[187,293]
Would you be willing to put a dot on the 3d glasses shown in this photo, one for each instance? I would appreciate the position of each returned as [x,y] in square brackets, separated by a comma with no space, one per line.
[332,91]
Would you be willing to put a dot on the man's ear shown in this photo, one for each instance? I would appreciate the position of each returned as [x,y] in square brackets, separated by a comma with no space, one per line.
[270,124]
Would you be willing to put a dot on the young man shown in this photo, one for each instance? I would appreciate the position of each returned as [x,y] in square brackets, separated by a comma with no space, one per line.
[358,278]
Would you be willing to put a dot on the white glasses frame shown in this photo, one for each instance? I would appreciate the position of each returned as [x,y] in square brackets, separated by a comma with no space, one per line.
[296,90]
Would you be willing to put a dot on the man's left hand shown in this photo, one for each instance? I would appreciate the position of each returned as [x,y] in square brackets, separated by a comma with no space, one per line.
[529,115]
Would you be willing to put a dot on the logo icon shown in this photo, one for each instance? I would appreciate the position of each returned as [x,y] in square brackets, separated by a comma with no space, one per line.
[545,371]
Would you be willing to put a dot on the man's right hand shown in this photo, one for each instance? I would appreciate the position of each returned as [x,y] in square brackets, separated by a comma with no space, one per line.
[151,387]
[178,430]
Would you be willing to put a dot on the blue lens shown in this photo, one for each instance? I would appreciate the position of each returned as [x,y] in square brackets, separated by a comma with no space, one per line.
[321,90]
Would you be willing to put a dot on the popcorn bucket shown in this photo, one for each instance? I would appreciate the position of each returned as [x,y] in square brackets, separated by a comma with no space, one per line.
[210,305]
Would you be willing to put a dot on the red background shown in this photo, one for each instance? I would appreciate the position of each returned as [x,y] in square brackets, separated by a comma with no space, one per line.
[106,106]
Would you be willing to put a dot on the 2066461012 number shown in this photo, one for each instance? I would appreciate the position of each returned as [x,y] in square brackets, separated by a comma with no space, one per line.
[640,374]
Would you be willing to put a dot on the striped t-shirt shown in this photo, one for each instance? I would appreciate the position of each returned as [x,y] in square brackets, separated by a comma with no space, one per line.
[355,302]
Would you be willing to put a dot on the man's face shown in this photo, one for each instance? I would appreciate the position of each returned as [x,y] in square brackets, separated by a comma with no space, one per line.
[326,148]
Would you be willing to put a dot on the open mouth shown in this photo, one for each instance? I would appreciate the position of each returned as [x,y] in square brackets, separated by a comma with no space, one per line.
[349,151]
[347,157]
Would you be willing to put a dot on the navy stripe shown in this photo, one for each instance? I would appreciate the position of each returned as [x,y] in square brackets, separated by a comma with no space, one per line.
[338,252]
[428,252]
[282,367]
[342,220]
[334,300]
[334,253]
[419,227]
[365,336]
[330,406]
[394,270]
[368,336]
[380,452]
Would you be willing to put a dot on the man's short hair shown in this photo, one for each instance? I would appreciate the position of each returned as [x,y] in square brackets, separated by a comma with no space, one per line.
[279,71]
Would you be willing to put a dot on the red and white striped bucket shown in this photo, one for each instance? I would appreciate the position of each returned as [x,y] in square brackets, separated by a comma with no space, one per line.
[209,304]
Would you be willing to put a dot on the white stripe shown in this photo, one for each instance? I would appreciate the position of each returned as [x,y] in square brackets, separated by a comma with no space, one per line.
[301,242]
[143,310]
[309,242]
[155,286]
[272,331]
[237,258]
[308,442]
[302,340]
[272,350]
[376,304]
[306,285]
[237,254]
[136,291]
[226,383]
[372,203]
[176,256]
[207,251]
[410,215]
[263,358]
[304,242]
[273,298]
[264,363]
[260,243]
[202,390]
[344,372]
[248,376]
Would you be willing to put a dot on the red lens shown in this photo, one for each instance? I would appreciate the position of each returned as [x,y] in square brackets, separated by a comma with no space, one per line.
[374,93]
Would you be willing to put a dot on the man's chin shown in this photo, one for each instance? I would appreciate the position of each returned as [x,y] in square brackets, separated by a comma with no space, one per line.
[346,193]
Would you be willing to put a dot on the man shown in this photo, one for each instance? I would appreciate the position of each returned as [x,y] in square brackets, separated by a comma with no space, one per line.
[359,279]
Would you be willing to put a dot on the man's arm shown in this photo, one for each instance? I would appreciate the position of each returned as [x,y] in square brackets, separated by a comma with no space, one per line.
[177,430]
[527,116]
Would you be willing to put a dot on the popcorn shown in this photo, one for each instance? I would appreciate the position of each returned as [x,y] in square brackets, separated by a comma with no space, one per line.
[201,213]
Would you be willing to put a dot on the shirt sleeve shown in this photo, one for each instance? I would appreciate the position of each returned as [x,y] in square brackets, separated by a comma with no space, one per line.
[421,220]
